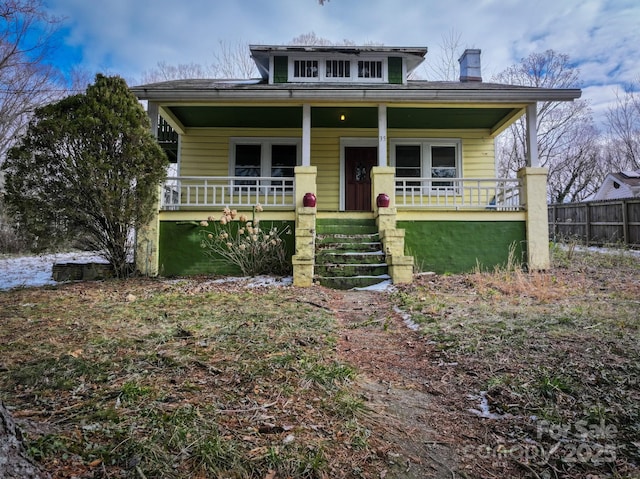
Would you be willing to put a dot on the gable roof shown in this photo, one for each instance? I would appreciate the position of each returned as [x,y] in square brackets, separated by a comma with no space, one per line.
[624,184]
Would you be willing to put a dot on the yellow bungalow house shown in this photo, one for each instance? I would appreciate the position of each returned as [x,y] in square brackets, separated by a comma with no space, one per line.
[348,125]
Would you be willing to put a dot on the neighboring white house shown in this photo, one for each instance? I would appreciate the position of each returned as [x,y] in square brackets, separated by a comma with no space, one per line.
[625,184]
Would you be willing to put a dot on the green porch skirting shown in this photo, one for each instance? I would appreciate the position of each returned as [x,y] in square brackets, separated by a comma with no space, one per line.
[460,246]
[180,253]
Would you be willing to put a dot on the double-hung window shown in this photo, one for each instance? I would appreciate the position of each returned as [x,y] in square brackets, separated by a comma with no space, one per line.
[305,69]
[432,160]
[338,69]
[370,69]
[408,161]
[252,158]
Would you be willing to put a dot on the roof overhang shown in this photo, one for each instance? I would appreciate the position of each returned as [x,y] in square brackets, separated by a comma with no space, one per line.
[214,103]
[216,91]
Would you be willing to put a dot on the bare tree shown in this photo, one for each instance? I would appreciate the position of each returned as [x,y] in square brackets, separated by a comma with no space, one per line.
[580,173]
[310,38]
[624,131]
[566,134]
[445,66]
[165,72]
[232,60]
[26,81]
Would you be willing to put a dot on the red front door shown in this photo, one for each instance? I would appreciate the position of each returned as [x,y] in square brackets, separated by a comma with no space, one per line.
[358,161]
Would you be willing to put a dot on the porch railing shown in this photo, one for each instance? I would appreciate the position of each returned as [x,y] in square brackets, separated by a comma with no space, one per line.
[500,194]
[222,191]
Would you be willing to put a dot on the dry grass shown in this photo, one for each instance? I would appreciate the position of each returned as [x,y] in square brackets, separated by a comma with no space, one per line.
[143,378]
[192,379]
[556,357]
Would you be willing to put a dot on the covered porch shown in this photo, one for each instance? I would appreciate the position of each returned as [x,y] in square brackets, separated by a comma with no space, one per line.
[500,202]
[325,136]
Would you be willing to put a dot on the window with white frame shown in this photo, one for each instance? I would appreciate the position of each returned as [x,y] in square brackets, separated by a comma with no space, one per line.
[370,69]
[338,69]
[269,157]
[305,69]
[433,159]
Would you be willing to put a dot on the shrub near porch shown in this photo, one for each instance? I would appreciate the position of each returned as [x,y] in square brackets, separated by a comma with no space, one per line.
[180,252]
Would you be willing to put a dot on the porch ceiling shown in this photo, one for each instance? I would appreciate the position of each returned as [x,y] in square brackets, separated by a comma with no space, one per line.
[195,116]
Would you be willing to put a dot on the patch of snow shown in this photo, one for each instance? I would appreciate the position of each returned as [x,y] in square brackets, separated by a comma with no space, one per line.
[32,271]
[386,285]
[484,408]
[621,251]
[255,282]
[602,250]
[259,281]
[406,317]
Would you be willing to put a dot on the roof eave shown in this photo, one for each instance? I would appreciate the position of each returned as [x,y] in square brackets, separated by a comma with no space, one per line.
[364,94]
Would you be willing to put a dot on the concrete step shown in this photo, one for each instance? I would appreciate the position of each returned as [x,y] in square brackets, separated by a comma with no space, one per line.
[345,269]
[328,238]
[347,229]
[350,282]
[348,247]
[349,254]
[349,257]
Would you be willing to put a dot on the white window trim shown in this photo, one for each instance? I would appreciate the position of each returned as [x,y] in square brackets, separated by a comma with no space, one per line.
[322,69]
[265,151]
[425,154]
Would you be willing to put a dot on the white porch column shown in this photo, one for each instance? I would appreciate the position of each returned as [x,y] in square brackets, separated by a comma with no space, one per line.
[532,136]
[306,135]
[153,112]
[382,135]
[147,237]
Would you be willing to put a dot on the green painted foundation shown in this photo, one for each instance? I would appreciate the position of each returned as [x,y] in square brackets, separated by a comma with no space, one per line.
[438,246]
[180,253]
[459,247]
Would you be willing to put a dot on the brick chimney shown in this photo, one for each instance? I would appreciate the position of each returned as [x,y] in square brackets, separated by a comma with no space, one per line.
[470,66]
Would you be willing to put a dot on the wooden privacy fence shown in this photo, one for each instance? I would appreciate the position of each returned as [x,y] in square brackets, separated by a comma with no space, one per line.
[597,222]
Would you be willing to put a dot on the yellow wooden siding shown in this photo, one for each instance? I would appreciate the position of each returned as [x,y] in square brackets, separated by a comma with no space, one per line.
[205,151]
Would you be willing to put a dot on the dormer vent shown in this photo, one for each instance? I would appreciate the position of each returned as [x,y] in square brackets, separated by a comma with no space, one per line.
[470,66]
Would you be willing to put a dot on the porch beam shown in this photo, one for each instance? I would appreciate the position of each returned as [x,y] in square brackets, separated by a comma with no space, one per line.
[172,120]
[306,134]
[382,135]
[507,121]
[532,136]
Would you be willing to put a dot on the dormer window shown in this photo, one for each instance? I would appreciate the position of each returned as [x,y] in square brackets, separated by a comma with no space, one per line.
[369,69]
[336,64]
[338,69]
[305,69]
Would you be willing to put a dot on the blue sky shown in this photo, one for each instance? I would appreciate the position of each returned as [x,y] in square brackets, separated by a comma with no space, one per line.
[129,37]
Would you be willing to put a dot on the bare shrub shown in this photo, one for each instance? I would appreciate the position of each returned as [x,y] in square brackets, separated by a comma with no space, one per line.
[246,244]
